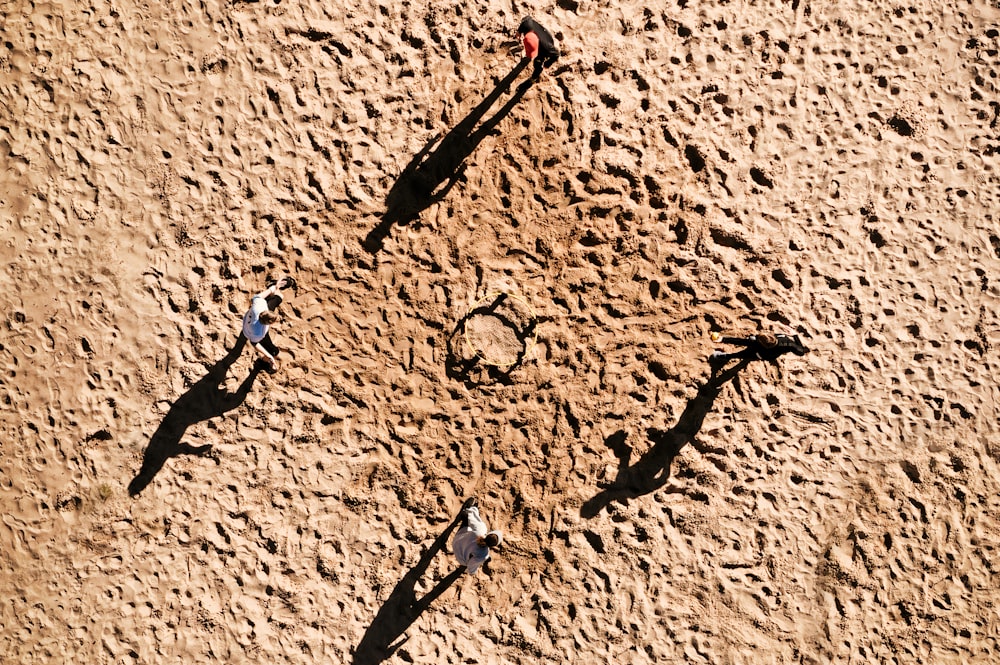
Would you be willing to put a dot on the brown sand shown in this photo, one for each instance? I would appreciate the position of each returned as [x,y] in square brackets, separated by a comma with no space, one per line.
[687,167]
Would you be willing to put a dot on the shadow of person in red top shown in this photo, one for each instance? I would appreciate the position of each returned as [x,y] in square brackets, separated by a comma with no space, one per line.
[434,170]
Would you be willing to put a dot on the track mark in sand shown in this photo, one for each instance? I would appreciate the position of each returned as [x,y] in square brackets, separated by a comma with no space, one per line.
[67,502]
[571,419]
[314,183]
[412,40]
[321,149]
[909,122]
[779,276]
[901,125]
[99,435]
[625,174]
[610,101]
[640,82]
[731,240]
[275,99]
[595,140]
[212,65]
[876,237]
[654,191]
[723,177]
[759,177]
[695,158]
[669,138]
[595,541]
[326,38]
[657,369]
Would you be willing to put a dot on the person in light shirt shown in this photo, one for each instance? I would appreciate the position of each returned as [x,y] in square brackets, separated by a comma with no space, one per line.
[473,541]
[258,319]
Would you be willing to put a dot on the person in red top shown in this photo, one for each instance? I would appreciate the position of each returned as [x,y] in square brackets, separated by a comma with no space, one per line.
[538,45]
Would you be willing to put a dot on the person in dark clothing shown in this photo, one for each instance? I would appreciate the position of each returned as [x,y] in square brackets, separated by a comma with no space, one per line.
[764,346]
[538,45]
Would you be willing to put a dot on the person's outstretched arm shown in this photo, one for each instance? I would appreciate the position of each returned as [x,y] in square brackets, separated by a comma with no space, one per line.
[271,290]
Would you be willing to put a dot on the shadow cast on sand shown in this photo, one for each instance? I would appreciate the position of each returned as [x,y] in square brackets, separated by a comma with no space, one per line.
[403,607]
[204,400]
[432,173]
[652,471]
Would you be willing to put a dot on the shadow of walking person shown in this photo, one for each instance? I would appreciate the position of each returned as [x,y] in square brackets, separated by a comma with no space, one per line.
[441,162]
[403,607]
[204,400]
[652,471]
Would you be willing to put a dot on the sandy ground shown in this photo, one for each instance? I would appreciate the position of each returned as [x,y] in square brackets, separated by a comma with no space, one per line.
[685,168]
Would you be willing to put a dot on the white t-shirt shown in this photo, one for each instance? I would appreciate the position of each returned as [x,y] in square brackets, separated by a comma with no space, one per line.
[253,329]
[470,553]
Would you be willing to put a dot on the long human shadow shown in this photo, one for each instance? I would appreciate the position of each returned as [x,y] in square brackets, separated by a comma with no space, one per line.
[442,161]
[652,471]
[205,399]
[403,607]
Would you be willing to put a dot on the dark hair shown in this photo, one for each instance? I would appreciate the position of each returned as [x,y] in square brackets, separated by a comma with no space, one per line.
[268,317]
[767,340]
[492,540]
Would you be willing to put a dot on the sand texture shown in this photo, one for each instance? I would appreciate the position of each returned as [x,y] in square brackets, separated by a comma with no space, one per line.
[504,290]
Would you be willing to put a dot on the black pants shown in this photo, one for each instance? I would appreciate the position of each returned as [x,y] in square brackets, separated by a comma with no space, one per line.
[269,345]
[544,59]
[272,304]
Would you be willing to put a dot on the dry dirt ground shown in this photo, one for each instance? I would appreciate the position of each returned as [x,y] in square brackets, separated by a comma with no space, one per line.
[685,168]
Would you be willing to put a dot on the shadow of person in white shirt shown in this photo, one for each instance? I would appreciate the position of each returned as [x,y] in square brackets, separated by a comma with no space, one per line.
[402,607]
[204,400]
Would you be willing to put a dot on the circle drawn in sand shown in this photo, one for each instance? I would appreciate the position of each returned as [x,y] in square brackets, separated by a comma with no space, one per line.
[500,329]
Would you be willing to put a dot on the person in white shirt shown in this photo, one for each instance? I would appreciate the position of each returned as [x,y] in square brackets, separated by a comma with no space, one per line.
[258,319]
[472,542]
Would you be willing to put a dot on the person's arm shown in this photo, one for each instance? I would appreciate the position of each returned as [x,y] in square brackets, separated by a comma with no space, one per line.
[271,290]
[274,288]
[740,341]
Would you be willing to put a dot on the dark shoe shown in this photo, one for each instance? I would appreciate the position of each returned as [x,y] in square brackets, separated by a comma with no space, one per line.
[471,502]
[263,366]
